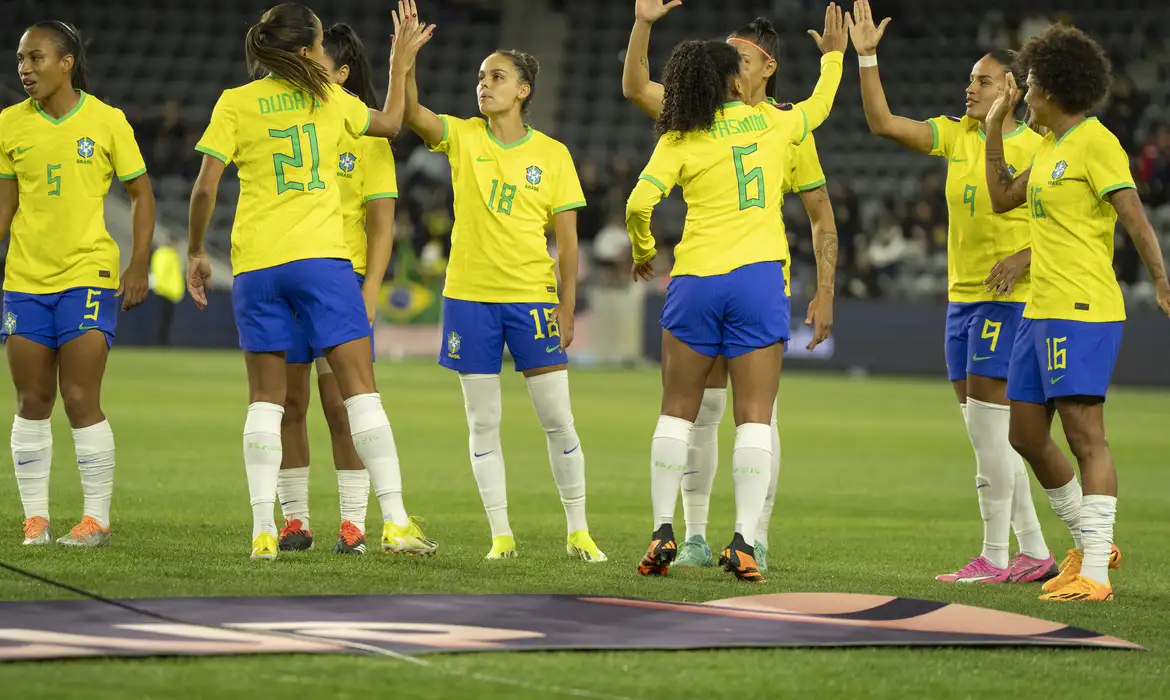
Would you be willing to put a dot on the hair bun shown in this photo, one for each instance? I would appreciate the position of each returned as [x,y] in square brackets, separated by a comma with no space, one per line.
[763,25]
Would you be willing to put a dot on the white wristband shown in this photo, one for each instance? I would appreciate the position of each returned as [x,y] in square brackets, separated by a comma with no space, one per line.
[867,61]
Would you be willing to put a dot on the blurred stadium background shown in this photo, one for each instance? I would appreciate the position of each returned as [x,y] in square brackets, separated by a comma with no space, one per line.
[165,64]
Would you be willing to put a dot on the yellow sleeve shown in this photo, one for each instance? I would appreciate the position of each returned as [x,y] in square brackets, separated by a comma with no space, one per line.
[815,109]
[946,131]
[1107,166]
[380,181]
[656,181]
[807,173]
[7,169]
[219,140]
[354,111]
[450,141]
[568,193]
[125,157]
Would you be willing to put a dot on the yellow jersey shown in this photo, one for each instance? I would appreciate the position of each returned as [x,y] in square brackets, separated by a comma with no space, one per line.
[63,168]
[734,177]
[506,196]
[1073,224]
[290,206]
[805,172]
[365,172]
[977,237]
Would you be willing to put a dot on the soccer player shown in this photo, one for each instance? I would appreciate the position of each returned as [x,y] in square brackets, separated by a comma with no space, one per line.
[366,180]
[511,182]
[758,45]
[59,149]
[1075,189]
[981,324]
[289,254]
[727,292]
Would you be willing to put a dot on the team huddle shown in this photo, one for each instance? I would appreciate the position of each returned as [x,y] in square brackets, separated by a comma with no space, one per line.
[1033,327]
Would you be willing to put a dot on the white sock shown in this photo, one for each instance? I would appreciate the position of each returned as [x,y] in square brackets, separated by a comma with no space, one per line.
[262,455]
[292,488]
[550,398]
[1066,501]
[94,446]
[702,462]
[770,501]
[1024,520]
[353,488]
[1097,516]
[668,461]
[32,456]
[751,470]
[374,441]
[987,426]
[484,409]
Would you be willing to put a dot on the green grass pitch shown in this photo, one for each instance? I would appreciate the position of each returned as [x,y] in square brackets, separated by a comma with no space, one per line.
[875,497]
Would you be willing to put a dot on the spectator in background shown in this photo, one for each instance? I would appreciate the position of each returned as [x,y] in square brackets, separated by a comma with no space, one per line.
[1154,168]
[591,218]
[1123,114]
[1031,26]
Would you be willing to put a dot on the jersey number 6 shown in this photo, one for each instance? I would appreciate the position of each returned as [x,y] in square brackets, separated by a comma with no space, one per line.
[296,160]
[745,179]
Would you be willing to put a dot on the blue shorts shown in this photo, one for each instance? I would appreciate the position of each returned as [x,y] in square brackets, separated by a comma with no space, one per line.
[318,294]
[302,352]
[54,319]
[474,334]
[980,337]
[1055,357]
[730,314]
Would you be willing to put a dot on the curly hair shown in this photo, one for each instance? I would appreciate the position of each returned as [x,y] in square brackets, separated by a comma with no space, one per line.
[694,84]
[1069,65]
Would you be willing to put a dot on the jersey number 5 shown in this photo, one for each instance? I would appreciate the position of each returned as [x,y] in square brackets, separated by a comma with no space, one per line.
[54,180]
[296,160]
[746,179]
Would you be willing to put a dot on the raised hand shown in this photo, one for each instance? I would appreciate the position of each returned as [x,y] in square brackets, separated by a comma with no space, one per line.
[862,32]
[650,11]
[1005,105]
[835,37]
[410,35]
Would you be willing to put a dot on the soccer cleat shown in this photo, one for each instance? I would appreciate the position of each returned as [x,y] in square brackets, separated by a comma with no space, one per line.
[660,554]
[37,531]
[295,537]
[350,540]
[87,533]
[761,550]
[1081,589]
[739,558]
[1026,569]
[978,570]
[408,539]
[1070,568]
[580,544]
[695,552]
[264,547]
[503,547]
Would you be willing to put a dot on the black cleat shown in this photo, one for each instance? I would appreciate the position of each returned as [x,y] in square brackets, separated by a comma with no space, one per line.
[660,554]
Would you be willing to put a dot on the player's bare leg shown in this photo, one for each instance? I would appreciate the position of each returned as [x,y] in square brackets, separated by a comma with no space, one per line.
[34,378]
[292,485]
[267,391]
[373,440]
[755,377]
[548,388]
[82,365]
[702,464]
[684,373]
[353,481]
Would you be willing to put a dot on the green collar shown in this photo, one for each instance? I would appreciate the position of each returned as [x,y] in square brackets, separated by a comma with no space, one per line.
[57,122]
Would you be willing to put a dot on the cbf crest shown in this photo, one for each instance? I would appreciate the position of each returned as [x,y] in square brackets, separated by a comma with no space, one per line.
[1012,170]
[346,162]
[85,147]
[9,323]
[532,174]
[453,344]
[1058,171]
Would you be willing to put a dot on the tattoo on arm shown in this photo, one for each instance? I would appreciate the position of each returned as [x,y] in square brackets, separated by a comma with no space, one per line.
[645,63]
[1001,171]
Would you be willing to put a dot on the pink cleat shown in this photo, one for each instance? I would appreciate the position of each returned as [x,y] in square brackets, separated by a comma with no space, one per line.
[980,570]
[1026,569]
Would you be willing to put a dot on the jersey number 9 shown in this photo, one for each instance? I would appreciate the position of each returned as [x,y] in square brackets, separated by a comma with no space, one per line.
[296,160]
[745,179]
[969,197]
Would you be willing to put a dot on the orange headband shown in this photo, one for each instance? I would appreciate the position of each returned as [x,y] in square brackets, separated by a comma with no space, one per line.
[750,43]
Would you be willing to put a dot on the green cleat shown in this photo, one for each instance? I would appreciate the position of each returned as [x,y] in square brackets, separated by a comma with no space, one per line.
[694,553]
[761,556]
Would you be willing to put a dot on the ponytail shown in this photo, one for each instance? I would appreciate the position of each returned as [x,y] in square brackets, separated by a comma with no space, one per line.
[273,46]
[343,45]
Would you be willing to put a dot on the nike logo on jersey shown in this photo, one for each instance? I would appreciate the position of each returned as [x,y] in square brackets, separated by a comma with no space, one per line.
[958,160]
[569,452]
[980,358]
[484,454]
[1055,379]
[553,348]
[22,151]
[84,327]
[22,462]
[484,159]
